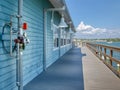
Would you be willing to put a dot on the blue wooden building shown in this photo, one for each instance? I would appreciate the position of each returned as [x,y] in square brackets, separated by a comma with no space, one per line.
[48,42]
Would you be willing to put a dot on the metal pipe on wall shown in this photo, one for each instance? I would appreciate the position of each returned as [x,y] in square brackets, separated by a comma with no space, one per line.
[19,72]
[11,38]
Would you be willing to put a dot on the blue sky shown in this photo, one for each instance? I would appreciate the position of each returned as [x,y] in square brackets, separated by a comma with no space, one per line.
[95,18]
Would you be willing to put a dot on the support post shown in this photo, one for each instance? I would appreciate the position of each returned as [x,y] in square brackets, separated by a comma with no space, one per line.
[100,52]
[111,55]
[105,54]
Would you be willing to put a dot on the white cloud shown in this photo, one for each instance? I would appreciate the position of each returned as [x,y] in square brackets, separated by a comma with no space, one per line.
[88,31]
[82,27]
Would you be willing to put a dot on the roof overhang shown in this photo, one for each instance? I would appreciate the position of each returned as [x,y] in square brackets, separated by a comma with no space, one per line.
[59,4]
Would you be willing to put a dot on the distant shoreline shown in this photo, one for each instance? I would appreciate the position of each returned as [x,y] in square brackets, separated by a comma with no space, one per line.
[102,40]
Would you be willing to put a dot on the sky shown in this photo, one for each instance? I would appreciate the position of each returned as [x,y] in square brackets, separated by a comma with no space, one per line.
[95,18]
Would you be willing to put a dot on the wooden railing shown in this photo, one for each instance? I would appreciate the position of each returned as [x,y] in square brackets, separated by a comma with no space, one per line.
[108,54]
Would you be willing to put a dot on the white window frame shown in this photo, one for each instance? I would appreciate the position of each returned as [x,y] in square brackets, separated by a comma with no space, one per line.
[65,37]
[68,38]
[62,37]
[55,29]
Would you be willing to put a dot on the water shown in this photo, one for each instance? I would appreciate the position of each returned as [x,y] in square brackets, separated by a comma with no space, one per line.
[116,54]
[114,44]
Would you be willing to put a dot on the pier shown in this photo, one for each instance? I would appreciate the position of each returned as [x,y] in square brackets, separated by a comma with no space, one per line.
[39,49]
[78,69]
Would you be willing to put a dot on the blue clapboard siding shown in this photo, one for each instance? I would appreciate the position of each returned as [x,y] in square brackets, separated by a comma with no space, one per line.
[33,55]
[64,49]
[7,64]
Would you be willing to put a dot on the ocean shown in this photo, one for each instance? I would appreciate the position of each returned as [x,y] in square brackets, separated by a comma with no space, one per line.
[116,54]
[114,44]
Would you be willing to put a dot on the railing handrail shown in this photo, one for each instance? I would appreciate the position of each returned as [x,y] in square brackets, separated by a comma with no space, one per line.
[109,47]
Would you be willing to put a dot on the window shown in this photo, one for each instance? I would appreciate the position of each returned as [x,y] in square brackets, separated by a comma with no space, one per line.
[68,38]
[62,37]
[64,41]
[68,41]
[55,36]
[65,36]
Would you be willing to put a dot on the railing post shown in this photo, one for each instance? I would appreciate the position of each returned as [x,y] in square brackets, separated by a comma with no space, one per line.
[118,68]
[111,55]
[105,54]
[100,52]
[96,49]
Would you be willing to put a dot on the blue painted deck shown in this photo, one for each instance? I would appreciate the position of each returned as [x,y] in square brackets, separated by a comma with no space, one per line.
[65,74]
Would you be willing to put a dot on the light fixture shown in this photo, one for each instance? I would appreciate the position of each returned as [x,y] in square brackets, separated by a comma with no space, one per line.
[62,23]
[52,22]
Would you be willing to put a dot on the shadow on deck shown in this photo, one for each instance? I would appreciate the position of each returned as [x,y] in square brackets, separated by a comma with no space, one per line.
[64,74]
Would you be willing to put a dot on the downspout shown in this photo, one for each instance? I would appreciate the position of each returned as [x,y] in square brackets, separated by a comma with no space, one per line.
[19,69]
[44,40]
[59,43]
[71,40]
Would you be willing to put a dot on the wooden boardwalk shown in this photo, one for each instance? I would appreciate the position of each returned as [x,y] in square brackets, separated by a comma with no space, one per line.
[78,69]
[97,76]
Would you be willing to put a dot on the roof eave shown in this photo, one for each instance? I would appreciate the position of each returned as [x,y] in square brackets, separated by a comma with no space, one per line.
[59,4]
